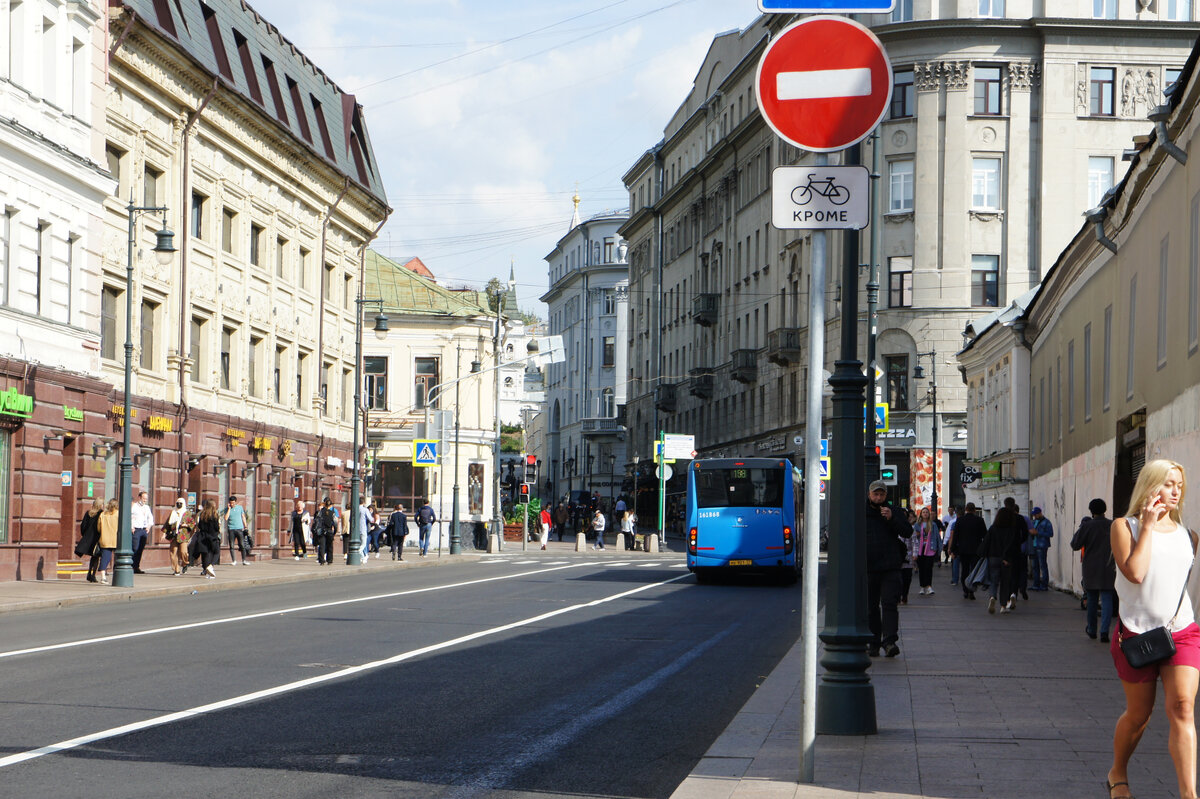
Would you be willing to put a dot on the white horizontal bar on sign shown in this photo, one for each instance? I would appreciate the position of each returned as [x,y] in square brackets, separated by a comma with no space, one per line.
[819,83]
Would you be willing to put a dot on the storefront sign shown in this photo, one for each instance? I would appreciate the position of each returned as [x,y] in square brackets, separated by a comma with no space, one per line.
[72,414]
[261,443]
[15,404]
[66,479]
[333,462]
[235,435]
[990,471]
[160,424]
[91,489]
[772,444]
[285,448]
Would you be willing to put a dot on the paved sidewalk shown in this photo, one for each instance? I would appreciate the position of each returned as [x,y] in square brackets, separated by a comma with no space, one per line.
[1020,706]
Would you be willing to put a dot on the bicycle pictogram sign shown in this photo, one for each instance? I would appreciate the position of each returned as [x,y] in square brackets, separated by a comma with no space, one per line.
[825,187]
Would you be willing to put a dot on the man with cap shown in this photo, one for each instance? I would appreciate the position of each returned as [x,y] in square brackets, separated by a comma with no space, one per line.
[885,556]
[1040,532]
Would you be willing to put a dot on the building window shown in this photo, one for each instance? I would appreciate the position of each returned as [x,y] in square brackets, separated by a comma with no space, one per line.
[280,255]
[149,312]
[610,301]
[375,368]
[1170,77]
[900,281]
[1100,178]
[327,283]
[1131,354]
[1106,373]
[151,186]
[985,281]
[1104,9]
[896,372]
[252,365]
[256,242]
[426,376]
[609,245]
[991,8]
[1087,372]
[6,253]
[41,262]
[902,11]
[903,96]
[347,395]
[301,380]
[348,291]
[608,404]
[1071,384]
[277,375]
[117,168]
[985,183]
[198,202]
[1162,302]
[302,267]
[1177,10]
[195,347]
[228,221]
[1102,91]
[226,356]
[987,91]
[900,180]
[1194,277]
[109,301]
[610,351]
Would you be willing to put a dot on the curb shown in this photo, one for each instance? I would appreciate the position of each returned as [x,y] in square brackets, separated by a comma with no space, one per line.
[206,586]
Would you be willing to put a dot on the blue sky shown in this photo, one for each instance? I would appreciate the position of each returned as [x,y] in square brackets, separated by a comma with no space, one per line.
[482,152]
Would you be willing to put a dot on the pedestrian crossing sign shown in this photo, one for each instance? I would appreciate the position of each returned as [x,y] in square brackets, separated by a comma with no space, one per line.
[824,470]
[425,452]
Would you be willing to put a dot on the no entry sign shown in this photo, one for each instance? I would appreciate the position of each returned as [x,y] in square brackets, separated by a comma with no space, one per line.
[824,83]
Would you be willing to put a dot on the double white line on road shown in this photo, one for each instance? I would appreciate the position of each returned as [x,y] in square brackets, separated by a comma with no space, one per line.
[263,614]
[254,696]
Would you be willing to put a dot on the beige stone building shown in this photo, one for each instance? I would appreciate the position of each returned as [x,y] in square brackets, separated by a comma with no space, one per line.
[1005,125]
[243,370]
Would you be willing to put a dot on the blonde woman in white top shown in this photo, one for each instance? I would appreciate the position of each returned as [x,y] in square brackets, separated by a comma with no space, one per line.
[1153,552]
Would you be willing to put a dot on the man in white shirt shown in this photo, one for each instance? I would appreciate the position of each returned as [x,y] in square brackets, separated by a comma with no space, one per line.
[142,519]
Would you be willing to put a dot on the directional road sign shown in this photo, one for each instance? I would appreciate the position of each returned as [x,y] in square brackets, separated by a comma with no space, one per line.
[820,197]
[824,83]
[825,6]
[425,452]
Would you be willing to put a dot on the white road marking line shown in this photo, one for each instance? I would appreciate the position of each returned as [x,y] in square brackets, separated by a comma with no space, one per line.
[817,83]
[190,713]
[266,613]
[678,566]
[648,565]
[523,562]
[618,563]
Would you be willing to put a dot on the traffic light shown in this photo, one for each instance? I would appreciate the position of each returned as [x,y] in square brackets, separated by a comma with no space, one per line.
[524,492]
[888,474]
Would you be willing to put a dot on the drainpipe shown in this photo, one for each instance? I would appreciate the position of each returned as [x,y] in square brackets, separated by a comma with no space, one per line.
[185,233]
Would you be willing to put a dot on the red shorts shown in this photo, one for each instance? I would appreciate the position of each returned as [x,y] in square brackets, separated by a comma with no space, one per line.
[1187,653]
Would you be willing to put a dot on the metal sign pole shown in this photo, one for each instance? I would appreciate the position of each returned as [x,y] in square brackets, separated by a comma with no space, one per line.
[812,503]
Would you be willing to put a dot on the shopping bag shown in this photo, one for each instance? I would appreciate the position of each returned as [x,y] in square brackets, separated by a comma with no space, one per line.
[978,579]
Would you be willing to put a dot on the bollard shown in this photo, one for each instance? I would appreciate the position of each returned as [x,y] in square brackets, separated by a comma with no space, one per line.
[493,544]
[581,543]
[620,543]
[652,542]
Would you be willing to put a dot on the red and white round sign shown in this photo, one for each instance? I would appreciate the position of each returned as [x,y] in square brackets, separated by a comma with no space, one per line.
[824,83]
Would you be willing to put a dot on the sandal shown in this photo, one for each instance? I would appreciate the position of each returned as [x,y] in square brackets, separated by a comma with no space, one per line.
[1111,785]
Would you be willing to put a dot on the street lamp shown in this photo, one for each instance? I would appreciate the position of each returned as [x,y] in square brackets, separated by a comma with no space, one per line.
[612,481]
[164,248]
[918,374]
[497,521]
[455,537]
[354,555]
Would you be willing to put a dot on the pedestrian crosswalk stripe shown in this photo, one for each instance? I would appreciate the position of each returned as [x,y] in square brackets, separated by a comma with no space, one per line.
[523,562]
[648,565]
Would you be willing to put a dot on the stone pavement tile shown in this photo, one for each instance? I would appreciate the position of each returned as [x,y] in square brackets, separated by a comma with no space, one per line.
[751,788]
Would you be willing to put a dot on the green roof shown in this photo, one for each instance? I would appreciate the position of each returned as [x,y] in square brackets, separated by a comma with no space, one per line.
[404,291]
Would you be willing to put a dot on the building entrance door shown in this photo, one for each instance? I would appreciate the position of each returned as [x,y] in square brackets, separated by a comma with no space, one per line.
[67,533]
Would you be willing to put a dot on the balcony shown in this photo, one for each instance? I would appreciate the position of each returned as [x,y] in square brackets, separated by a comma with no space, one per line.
[744,365]
[665,396]
[783,346]
[704,309]
[600,426]
[700,383]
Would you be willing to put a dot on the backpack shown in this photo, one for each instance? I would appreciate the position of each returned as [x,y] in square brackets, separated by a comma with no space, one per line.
[425,515]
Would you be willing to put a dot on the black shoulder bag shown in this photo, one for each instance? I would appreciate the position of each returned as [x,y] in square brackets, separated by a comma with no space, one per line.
[1155,645]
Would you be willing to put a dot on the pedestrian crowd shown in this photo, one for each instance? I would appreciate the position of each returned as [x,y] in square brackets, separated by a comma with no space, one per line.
[194,535]
[1136,573]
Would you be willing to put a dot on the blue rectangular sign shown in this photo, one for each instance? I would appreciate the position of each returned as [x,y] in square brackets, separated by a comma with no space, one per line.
[825,6]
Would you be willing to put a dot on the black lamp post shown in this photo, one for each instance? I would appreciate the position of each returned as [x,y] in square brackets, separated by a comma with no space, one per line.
[164,248]
[354,556]
[919,374]
[612,478]
[455,536]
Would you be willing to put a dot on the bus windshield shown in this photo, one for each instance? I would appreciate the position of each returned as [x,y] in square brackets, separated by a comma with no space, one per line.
[739,487]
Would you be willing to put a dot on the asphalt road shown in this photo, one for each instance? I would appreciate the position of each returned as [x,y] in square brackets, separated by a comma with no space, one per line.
[566,676]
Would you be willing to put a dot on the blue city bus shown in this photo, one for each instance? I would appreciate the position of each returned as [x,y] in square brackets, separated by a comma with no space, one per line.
[742,516]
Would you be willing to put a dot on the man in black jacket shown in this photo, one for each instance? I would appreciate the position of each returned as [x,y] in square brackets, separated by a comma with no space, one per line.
[969,531]
[1099,571]
[885,556]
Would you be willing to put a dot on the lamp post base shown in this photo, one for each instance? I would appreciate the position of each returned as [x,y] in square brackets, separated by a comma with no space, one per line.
[846,708]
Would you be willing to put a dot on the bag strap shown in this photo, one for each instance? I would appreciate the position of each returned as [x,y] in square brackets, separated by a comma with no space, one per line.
[1183,591]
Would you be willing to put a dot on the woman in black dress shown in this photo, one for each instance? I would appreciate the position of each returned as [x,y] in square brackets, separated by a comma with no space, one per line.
[208,534]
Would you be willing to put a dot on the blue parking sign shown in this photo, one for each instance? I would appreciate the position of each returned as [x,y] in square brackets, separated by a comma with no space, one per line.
[824,6]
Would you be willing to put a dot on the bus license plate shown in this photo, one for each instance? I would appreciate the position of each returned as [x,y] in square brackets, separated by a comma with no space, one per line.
[741,563]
